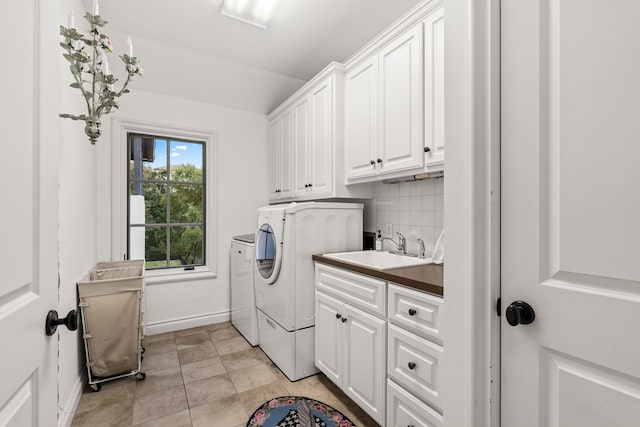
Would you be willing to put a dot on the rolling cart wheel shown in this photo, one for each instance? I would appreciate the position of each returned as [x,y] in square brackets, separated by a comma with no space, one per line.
[141,376]
[95,387]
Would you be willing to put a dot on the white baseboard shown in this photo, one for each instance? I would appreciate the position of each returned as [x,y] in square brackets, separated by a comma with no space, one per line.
[66,414]
[154,328]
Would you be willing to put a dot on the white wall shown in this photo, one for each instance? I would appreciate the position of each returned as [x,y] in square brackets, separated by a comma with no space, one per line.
[77,223]
[241,188]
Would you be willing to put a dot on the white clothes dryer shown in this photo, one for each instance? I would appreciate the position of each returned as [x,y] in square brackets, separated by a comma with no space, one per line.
[287,237]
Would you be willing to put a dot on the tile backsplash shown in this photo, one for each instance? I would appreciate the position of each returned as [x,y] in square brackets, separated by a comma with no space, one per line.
[415,209]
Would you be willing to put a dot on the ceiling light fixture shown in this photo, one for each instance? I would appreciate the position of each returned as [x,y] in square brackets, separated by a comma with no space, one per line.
[254,12]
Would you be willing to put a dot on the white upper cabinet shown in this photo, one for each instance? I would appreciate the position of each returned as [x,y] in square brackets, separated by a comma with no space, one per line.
[400,69]
[280,138]
[434,90]
[394,101]
[315,142]
[384,119]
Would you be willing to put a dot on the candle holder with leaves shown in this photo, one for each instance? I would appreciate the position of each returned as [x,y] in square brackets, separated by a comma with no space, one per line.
[90,70]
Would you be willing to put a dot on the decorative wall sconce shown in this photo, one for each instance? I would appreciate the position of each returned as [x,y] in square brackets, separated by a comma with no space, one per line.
[90,70]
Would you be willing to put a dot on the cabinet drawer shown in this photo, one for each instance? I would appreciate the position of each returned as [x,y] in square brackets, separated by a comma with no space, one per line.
[416,364]
[418,312]
[360,291]
[404,409]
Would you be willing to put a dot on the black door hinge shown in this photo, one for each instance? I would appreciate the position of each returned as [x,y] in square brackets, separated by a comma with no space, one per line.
[498,307]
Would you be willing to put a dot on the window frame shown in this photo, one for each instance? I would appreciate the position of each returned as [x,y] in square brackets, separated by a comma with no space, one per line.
[119,195]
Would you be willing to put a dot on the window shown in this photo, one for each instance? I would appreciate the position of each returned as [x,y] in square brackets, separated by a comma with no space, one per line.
[166,181]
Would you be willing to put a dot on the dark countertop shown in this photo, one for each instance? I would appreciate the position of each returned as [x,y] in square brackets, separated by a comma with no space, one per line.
[427,277]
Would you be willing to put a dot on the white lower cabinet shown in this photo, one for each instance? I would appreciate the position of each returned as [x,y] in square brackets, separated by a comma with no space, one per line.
[350,350]
[382,344]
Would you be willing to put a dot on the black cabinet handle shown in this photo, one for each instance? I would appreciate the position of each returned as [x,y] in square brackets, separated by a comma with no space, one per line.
[379,160]
[373,162]
[412,312]
[344,320]
[412,365]
[306,186]
[338,315]
[427,149]
[310,185]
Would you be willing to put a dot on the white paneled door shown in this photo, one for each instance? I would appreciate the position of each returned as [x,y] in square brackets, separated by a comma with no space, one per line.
[570,213]
[28,194]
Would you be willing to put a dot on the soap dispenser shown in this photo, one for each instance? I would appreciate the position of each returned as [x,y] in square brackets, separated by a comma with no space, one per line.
[378,240]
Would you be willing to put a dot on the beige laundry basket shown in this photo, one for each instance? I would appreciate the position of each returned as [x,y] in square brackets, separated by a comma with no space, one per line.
[112,312]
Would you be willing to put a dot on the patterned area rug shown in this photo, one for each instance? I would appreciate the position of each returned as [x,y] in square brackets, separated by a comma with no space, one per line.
[294,411]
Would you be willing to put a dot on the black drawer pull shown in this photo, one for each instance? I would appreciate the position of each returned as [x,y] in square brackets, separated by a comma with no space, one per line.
[338,316]
[412,366]
[412,312]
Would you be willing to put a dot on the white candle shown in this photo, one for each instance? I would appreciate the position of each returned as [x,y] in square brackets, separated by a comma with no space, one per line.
[130,44]
[105,65]
[71,19]
[96,7]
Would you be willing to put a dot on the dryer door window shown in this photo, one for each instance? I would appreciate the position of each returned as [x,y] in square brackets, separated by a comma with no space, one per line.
[266,250]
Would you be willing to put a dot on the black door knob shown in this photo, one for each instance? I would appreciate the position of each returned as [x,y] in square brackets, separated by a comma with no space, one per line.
[51,322]
[519,313]
[427,149]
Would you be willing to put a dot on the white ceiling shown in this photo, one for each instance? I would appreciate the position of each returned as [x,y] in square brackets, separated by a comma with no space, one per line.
[234,63]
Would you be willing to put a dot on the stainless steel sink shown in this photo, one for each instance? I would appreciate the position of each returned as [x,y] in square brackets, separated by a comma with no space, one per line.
[379,260]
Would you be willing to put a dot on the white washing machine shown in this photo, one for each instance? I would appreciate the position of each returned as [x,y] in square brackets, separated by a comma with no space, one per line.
[243,302]
[288,235]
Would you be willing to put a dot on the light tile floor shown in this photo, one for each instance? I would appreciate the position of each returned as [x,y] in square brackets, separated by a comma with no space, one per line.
[205,376]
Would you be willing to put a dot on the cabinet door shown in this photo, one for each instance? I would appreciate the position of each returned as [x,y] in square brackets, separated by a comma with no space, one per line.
[274,158]
[301,143]
[286,154]
[365,361]
[321,138]
[401,141]
[329,337]
[434,90]
[361,118]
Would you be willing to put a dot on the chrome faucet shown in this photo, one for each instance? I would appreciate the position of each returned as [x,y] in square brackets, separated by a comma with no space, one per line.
[401,245]
[422,254]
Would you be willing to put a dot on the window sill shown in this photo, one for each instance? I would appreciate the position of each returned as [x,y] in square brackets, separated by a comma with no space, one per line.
[178,275]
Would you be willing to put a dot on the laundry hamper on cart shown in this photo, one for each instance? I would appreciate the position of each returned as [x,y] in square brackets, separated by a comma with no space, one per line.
[112,312]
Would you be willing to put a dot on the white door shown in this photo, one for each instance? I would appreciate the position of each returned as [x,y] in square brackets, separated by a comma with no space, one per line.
[275,158]
[571,212]
[28,236]
[301,146]
[328,337]
[286,154]
[365,361]
[321,153]
[434,90]
[361,119]
[401,145]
